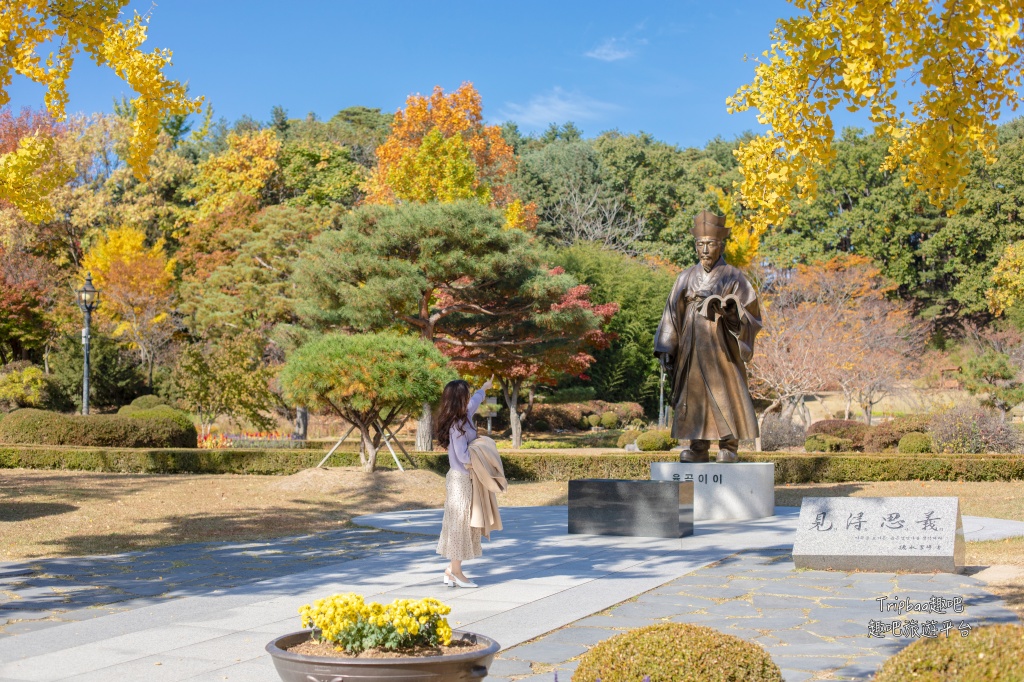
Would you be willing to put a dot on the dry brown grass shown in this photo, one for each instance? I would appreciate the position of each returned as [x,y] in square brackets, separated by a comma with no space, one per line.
[74,513]
[996,499]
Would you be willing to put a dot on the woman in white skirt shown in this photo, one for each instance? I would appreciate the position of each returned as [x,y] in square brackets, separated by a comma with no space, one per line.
[455,431]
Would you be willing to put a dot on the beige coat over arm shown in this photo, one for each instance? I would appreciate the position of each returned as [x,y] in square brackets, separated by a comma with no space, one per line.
[488,479]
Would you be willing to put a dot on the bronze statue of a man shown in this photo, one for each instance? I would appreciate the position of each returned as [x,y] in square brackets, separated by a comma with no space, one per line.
[705,338]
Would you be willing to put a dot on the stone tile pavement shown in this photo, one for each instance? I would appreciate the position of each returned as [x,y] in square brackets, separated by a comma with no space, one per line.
[41,594]
[814,624]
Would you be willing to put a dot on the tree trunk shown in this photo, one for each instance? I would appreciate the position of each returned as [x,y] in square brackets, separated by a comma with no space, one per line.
[805,413]
[425,430]
[760,421]
[368,453]
[790,408]
[301,429]
[511,393]
[849,404]
[866,404]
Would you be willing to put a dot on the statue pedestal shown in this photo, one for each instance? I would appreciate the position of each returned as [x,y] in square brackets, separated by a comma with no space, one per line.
[724,492]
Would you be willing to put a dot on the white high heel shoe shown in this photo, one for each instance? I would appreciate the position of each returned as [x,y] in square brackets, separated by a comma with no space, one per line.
[452,581]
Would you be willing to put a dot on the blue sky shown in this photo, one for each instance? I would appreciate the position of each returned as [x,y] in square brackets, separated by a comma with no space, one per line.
[660,67]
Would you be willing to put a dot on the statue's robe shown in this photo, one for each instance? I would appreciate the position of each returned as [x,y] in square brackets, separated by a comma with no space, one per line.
[706,359]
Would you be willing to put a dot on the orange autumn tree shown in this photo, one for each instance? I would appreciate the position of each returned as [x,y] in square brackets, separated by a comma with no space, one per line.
[833,325]
[440,150]
[137,287]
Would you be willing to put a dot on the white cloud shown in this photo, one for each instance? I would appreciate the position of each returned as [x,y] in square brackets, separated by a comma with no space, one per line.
[557,106]
[611,50]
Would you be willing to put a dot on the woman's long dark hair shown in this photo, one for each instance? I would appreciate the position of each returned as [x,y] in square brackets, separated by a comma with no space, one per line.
[454,402]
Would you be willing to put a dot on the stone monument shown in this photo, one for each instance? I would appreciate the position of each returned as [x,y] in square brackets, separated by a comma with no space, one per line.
[882,534]
[661,509]
[704,340]
[724,492]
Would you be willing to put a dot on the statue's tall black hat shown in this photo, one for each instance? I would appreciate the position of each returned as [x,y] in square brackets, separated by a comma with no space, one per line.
[708,224]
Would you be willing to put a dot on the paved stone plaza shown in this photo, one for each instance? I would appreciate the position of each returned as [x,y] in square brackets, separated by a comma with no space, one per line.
[41,594]
[814,624]
[204,612]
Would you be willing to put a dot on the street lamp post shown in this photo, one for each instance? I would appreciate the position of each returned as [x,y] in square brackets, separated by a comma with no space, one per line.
[88,299]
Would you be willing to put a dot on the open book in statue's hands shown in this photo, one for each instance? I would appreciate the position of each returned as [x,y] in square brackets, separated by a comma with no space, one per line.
[715,306]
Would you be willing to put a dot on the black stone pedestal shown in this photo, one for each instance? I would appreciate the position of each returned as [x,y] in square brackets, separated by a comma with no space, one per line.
[659,509]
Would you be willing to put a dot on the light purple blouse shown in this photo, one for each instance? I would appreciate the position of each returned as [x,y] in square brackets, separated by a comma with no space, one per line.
[458,443]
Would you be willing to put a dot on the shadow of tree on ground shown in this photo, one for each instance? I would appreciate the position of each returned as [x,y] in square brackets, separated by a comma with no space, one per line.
[23,511]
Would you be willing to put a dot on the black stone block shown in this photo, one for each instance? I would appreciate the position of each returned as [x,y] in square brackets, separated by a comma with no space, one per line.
[659,509]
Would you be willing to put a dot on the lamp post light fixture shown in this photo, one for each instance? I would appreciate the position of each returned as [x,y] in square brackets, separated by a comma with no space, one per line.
[88,300]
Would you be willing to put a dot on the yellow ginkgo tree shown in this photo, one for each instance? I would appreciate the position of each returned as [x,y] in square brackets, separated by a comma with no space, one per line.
[934,78]
[1007,280]
[136,285]
[744,237]
[28,28]
[243,169]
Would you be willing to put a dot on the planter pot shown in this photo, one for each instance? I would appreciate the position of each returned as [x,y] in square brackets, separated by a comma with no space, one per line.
[469,666]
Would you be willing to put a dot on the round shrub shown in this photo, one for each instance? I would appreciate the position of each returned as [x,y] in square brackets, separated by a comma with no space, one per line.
[778,433]
[841,428]
[158,430]
[147,402]
[656,441]
[676,652]
[886,435]
[183,419]
[915,443]
[992,652]
[594,420]
[628,436]
[610,420]
[823,443]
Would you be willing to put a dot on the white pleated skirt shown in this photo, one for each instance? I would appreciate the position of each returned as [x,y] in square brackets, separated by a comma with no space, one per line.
[458,541]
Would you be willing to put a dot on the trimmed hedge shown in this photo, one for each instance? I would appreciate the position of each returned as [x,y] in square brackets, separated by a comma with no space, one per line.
[156,428]
[523,466]
[825,443]
[169,461]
